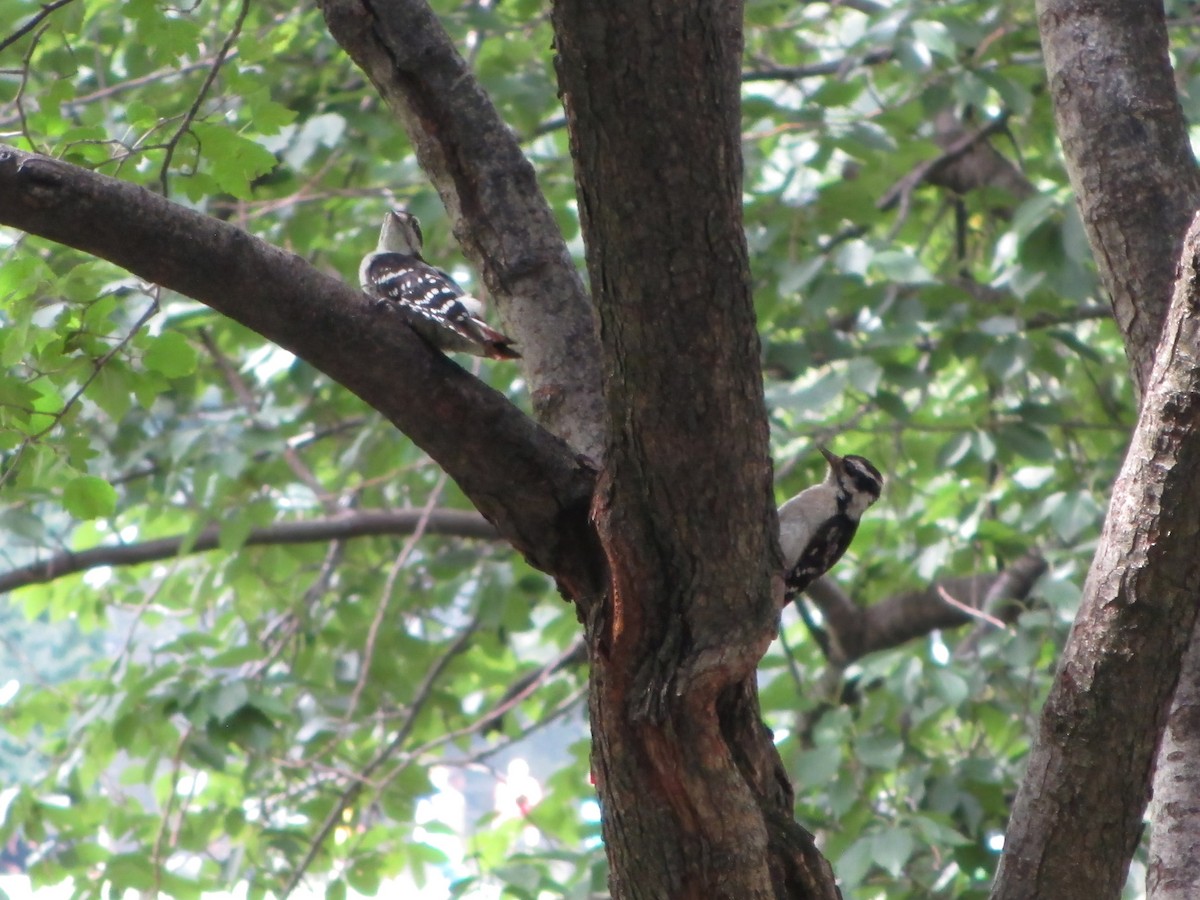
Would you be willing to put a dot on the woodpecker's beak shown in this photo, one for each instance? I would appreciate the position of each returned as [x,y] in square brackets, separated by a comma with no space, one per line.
[833,459]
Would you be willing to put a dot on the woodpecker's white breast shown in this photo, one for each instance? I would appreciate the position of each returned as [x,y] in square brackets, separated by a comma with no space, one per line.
[800,517]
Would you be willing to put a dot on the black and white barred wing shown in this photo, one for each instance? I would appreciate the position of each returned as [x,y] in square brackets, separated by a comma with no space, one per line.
[438,309]
[825,548]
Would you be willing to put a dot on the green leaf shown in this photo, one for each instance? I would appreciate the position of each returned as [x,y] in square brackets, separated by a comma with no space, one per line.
[896,265]
[89,497]
[15,339]
[1032,477]
[881,751]
[171,355]
[820,764]
[1027,441]
[951,686]
[1073,513]
[229,698]
[936,37]
[234,160]
[954,450]
[892,849]
[854,863]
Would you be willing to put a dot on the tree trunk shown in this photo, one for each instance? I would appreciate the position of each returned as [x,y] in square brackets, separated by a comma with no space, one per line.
[1125,140]
[694,797]
[1174,872]
[1077,817]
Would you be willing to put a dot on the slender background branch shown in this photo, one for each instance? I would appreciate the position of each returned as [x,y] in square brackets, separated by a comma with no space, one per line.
[367,523]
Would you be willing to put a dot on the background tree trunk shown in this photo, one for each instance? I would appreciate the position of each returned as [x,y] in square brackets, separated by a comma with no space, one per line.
[1174,869]
[1125,141]
[1077,817]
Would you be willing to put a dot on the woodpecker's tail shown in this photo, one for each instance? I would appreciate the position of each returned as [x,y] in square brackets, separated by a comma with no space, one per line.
[495,344]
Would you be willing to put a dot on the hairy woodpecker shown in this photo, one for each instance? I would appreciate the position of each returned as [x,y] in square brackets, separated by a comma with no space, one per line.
[817,525]
[395,275]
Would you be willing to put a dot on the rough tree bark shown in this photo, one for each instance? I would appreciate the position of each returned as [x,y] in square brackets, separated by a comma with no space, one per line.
[1174,869]
[1125,140]
[676,632]
[1078,813]
[1077,817]
[695,801]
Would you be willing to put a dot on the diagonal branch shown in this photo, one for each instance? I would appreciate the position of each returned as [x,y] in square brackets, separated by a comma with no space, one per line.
[32,22]
[928,169]
[1101,723]
[367,523]
[523,479]
[1125,144]
[491,193]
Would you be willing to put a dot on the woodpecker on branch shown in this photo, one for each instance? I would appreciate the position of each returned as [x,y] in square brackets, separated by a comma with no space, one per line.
[396,276]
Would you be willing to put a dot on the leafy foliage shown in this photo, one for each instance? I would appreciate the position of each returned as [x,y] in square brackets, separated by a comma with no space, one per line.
[252,699]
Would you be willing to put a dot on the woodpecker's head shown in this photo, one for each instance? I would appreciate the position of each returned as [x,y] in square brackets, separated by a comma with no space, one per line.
[401,233]
[859,483]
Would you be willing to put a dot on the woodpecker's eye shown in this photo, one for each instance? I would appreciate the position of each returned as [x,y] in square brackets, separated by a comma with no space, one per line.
[865,476]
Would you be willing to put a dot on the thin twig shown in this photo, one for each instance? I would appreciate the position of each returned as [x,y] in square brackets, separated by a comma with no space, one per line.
[74,398]
[104,93]
[168,807]
[138,612]
[388,589]
[202,93]
[815,70]
[792,664]
[901,191]
[18,100]
[37,17]
[246,397]
[420,698]
[971,611]
[522,689]
[564,706]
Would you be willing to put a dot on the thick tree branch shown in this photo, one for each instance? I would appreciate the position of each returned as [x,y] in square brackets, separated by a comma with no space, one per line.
[1126,146]
[367,523]
[491,193]
[1078,814]
[524,480]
